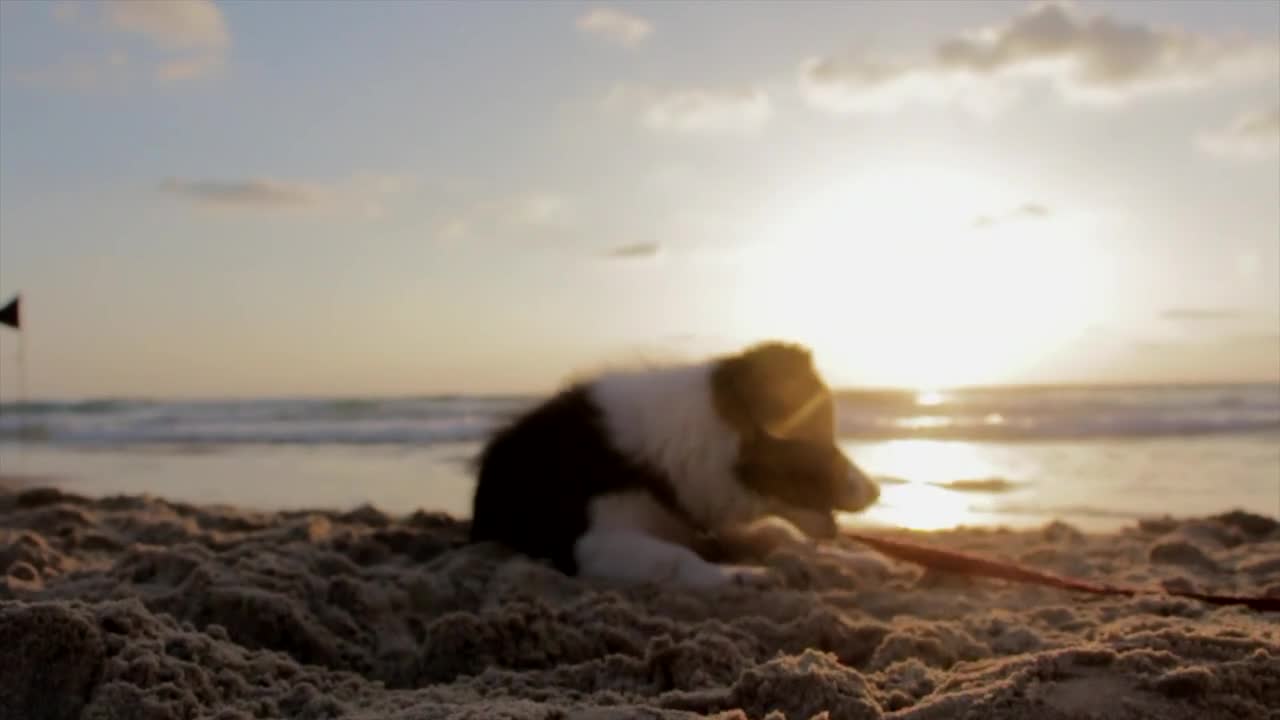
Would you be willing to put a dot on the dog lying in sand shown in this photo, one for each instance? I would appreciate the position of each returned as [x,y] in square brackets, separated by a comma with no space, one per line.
[665,474]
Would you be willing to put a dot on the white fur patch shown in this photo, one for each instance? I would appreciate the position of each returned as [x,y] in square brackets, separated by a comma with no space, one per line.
[666,418]
[638,510]
[633,557]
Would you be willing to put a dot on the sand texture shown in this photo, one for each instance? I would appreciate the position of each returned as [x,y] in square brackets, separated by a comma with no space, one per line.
[135,607]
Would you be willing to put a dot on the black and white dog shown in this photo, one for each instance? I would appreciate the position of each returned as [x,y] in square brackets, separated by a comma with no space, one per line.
[625,476]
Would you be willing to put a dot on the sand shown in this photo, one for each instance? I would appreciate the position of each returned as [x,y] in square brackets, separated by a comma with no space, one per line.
[136,607]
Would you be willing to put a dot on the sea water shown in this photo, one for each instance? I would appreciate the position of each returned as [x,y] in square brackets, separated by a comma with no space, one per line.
[1094,457]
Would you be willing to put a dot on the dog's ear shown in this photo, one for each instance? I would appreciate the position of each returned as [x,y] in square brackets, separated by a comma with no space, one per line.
[779,354]
[763,385]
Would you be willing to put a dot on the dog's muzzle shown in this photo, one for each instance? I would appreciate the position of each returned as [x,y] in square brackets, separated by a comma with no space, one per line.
[857,492]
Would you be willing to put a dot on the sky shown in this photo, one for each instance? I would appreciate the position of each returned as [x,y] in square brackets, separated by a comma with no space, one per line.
[204,199]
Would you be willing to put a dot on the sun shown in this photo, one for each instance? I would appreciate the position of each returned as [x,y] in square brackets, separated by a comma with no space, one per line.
[893,283]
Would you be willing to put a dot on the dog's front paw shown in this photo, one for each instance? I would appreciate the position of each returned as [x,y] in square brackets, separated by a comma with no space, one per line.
[713,576]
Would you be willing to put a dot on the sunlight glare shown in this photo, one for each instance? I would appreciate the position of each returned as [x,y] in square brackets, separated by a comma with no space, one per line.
[929,398]
[926,461]
[892,282]
[915,499]
[921,507]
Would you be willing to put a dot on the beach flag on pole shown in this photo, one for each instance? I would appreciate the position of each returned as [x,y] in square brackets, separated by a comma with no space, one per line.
[11,314]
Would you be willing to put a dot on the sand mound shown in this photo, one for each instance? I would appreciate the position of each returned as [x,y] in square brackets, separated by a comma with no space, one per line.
[134,607]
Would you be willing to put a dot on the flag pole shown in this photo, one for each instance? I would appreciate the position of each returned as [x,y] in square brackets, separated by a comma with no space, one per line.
[22,401]
[22,369]
[11,315]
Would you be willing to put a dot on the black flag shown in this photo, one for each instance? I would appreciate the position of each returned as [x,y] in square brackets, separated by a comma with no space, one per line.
[11,314]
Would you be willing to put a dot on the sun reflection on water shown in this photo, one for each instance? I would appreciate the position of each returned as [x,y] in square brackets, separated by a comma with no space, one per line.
[911,471]
[918,506]
[929,398]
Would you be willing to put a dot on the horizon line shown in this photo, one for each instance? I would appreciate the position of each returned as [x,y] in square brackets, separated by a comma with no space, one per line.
[835,389]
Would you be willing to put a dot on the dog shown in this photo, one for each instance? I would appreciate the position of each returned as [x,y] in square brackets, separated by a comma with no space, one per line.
[662,474]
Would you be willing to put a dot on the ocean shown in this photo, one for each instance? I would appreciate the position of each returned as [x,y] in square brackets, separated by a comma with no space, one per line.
[1097,458]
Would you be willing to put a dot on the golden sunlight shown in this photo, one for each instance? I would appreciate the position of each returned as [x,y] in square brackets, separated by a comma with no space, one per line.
[914,498]
[916,506]
[928,397]
[927,461]
[894,281]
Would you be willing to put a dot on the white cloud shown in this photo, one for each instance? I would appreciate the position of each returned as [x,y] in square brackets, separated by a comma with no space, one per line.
[538,209]
[453,230]
[1250,135]
[732,111]
[615,26]
[729,111]
[187,68]
[176,24]
[521,212]
[636,251]
[362,194]
[855,84]
[175,40]
[1091,59]
[1025,211]
[1202,314]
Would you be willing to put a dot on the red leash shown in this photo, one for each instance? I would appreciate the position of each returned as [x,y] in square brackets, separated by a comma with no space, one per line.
[966,564]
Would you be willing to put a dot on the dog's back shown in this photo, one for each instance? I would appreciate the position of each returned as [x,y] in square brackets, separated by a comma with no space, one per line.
[538,475]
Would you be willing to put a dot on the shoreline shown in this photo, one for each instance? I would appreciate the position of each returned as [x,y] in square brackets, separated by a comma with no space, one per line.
[143,607]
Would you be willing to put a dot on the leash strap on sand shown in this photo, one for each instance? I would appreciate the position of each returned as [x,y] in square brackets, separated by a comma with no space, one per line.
[973,565]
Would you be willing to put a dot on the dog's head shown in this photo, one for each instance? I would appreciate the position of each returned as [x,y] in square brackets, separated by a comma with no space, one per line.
[784,415]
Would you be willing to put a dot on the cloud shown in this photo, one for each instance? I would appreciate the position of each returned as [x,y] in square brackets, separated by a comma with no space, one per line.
[1193,314]
[1250,135]
[636,251]
[524,212]
[724,111]
[175,24]
[1092,59]
[179,40]
[363,194]
[453,230]
[187,68]
[1026,211]
[244,193]
[538,209]
[710,111]
[856,83]
[615,26]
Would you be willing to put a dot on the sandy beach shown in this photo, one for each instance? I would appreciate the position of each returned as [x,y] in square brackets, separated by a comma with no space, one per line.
[136,607]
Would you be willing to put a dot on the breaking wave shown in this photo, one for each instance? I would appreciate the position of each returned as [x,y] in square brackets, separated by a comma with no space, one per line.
[1011,414]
